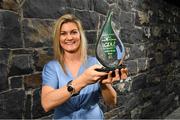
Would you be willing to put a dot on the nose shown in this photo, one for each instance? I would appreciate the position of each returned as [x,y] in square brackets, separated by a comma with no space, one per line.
[69,36]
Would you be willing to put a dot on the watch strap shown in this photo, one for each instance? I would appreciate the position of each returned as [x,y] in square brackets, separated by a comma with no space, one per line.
[71,89]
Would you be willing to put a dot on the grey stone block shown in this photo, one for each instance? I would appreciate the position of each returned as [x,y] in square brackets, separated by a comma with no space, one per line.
[10,34]
[4,77]
[12,104]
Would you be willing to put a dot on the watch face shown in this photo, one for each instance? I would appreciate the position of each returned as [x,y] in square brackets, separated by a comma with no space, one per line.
[70,88]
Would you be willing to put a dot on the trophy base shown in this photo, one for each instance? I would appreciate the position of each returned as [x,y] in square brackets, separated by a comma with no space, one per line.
[107,69]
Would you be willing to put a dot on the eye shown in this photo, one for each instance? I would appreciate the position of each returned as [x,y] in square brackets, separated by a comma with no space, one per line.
[62,33]
[74,32]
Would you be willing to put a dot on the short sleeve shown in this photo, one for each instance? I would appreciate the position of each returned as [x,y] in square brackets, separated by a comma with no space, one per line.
[49,75]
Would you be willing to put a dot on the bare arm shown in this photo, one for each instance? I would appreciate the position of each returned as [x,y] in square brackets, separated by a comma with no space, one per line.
[51,98]
[108,93]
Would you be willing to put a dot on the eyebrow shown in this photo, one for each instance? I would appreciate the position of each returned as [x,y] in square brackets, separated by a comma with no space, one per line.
[71,30]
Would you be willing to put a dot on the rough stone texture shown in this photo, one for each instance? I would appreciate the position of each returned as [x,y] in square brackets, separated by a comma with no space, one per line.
[91,21]
[37,33]
[137,51]
[125,5]
[41,57]
[91,37]
[126,20]
[10,5]
[82,4]
[101,7]
[10,30]
[142,64]
[3,77]
[132,36]
[21,64]
[132,66]
[12,104]
[32,81]
[149,30]
[45,8]
[174,115]
[4,56]
[28,109]
[16,82]
[91,49]
[139,82]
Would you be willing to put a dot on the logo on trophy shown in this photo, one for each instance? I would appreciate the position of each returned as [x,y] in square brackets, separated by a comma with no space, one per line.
[110,50]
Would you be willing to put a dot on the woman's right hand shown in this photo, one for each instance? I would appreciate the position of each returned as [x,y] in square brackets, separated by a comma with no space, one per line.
[91,76]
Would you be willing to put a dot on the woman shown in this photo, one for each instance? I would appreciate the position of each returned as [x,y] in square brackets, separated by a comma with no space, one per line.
[71,85]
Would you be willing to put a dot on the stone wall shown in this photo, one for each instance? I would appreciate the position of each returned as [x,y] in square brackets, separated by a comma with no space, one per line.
[149,30]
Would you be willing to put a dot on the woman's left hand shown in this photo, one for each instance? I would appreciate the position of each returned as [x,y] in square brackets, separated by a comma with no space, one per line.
[122,75]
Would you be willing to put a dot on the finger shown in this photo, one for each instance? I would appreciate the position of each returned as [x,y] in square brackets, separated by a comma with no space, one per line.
[98,73]
[117,76]
[124,70]
[110,77]
[105,81]
[123,76]
[108,80]
[110,74]
[123,73]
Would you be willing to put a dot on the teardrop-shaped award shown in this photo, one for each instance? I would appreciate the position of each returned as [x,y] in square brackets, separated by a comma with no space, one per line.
[109,47]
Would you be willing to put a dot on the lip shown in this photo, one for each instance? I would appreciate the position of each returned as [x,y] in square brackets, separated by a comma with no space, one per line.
[70,42]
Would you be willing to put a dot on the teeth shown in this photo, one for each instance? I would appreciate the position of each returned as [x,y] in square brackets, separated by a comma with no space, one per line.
[69,43]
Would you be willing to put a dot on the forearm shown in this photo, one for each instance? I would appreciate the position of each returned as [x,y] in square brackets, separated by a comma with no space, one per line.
[52,98]
[109,94]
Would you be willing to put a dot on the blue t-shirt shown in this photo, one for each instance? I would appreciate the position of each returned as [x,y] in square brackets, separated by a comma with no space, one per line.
[83,106]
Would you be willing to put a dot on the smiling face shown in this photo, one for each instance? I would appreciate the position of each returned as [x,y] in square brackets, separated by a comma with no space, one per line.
[70,37]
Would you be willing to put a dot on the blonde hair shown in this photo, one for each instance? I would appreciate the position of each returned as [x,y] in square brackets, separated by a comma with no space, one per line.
[58,50]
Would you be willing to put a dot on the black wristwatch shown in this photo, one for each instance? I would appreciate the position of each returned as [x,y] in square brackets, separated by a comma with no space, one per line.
[71,89]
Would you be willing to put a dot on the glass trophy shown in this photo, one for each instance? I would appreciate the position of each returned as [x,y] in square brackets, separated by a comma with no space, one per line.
[110,50]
